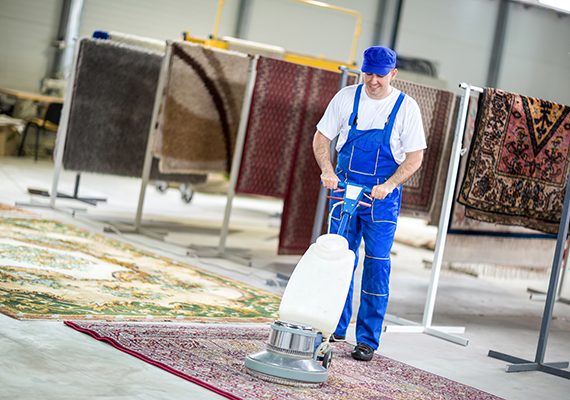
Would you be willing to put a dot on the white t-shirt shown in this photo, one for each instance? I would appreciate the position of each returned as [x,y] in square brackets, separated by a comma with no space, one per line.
[408,131]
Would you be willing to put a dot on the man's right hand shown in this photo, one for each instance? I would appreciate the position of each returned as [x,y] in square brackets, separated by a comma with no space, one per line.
[330,180]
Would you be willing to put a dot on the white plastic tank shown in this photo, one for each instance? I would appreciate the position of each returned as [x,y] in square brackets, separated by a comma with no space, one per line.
[317,289]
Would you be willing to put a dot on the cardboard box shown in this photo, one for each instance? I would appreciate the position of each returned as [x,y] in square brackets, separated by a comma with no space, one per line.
[9,140]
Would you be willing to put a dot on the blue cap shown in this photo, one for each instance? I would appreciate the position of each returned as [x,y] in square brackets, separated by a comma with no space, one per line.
[379,60]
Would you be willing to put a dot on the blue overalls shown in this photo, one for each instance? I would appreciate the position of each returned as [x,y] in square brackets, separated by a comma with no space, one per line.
[366,158]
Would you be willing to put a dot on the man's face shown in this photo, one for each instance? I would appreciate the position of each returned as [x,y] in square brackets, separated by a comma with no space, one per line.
[378,86]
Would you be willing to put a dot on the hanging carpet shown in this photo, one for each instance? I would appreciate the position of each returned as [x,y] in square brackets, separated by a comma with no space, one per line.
[51,270]
[111,110]
[518,162]
[212,357]
[422,194]
[470,241]
[201,109]
[300,204]
[281,100]
[459,223]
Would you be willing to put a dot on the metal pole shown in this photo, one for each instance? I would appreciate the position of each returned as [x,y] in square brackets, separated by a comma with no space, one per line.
[563,272]
[242,19]
[151,132]
[76,187]
[446,206]
[396,26]
[62,129]
[68,32]
[379,22]
[238,152]
[554,275]
[498,44]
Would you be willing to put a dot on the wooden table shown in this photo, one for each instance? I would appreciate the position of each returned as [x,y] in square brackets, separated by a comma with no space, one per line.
[36,97]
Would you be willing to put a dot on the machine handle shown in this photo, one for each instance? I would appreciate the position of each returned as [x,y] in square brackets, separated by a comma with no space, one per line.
[360,203]
[342,185]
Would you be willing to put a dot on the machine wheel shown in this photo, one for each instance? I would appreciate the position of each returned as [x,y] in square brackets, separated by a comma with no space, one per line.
[327,359]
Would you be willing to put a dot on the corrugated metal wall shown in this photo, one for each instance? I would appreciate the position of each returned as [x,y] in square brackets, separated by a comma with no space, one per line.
[536,59]
[164,19]
[27,30]
[456,34]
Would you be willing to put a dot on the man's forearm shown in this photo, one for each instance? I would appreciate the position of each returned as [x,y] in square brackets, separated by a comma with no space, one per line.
[410,165]
[322,151]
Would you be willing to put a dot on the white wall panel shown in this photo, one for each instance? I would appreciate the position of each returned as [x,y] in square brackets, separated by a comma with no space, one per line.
[27,29]
[311,30]
[536,61]
[456,34]
[164,19]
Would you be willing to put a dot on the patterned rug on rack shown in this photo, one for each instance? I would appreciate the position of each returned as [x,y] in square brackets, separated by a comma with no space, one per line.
[53,270]
[423,192]
[201,109]
[299,207]
[212,357]
[281,97]
[518,162]
[459,223]
[111,110]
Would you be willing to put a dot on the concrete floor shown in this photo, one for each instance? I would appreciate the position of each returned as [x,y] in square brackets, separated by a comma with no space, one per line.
[45,359]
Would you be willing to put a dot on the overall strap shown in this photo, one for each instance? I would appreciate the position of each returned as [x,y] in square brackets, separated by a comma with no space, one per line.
[354,115]
[394,112]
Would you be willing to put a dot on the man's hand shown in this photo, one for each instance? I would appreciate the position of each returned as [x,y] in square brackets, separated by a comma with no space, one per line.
[330,180]
[381,191]
[410,165]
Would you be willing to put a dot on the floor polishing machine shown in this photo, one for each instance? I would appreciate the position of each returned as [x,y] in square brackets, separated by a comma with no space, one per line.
[298,352]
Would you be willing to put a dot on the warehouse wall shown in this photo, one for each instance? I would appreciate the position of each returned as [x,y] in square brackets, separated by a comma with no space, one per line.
[164,19]
[311,30]
[455,34]
[536,61]
[458,36]
[27,29]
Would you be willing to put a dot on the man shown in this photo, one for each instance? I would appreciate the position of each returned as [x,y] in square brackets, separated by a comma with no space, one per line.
[381,143]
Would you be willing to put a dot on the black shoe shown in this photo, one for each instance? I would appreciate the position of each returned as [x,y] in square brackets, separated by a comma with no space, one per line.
[362,352]
[336,338]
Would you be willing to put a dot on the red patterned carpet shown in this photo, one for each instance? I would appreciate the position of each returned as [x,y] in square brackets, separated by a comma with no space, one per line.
[518,161]
[212,356]
[280,98]
[423,192]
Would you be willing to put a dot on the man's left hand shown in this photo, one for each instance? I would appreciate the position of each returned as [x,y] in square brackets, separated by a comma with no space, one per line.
[381,191]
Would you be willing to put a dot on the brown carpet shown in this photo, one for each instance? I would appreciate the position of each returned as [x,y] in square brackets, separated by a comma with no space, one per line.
[109,119]
[201,109]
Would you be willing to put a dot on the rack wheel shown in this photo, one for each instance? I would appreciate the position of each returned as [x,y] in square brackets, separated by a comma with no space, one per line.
[327,359]
[186,193]
[161,187]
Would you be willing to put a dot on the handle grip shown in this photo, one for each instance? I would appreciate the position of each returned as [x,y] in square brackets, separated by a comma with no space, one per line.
[367,190]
